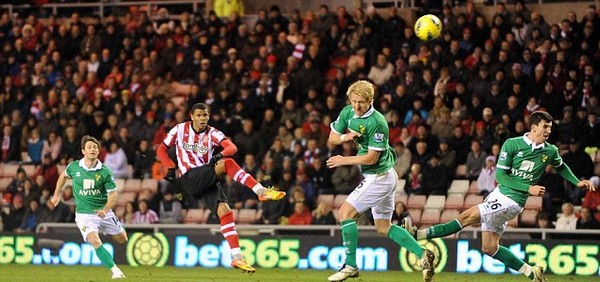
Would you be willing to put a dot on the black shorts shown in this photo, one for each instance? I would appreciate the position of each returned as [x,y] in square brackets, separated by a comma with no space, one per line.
[202,183]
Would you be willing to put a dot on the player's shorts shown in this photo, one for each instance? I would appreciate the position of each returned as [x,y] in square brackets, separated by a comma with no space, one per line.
[202,183]
[377,192]
[496,210]
[88,223]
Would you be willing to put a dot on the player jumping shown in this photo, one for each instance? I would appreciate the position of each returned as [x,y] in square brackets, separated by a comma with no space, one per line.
[95,194]
[377,191]
[520,164]
[200,171]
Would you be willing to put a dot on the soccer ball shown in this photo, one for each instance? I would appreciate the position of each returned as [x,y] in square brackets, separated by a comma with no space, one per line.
[428,27]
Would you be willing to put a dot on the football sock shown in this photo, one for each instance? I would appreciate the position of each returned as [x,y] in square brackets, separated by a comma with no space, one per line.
[509,259]
[404,239]
[443,230]
[105,257]
[115,269]
[526,270]
[350,240]
[239,175]
[231,235]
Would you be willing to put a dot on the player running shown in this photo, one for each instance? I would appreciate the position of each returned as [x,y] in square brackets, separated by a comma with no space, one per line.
[369,130]
[520,164]
[95,194]
[200,170]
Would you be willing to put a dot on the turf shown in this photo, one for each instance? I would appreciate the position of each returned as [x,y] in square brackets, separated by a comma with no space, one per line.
[13,272]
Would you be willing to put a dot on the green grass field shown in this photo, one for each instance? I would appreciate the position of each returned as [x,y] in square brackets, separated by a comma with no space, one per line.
[95,273]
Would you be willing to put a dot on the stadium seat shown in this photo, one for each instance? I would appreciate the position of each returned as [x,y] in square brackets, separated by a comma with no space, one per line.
[415,214]
[120,184]
[10,170]
[454,201]
[533,203]
[4,182]
[459,186]
[246,216]
[125,198]
[473,188]
[529,218]
[435,202]
[25,157]
[472,200]
[402,198]
[132,185]
[400,185]
[29,169]
[339,200]
[461,171]
[325,198]
[194,216]
[150,183]
[448,215]
[430,217]
[416,201]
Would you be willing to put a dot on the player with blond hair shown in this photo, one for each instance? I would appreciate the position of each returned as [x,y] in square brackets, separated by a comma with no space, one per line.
[359,122]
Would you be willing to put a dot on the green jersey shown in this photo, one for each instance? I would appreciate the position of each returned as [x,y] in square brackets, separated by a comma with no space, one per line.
[374,135]
[90,185]
[525,162]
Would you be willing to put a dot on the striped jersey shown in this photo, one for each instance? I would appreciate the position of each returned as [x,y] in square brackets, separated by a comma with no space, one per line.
[193,149]
[525,162]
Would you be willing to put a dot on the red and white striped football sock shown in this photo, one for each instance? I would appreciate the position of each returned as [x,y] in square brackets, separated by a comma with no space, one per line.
[231,235]
[239,175]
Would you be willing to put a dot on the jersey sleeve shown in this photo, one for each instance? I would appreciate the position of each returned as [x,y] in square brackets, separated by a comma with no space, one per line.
[556,160]
[109,181]
[340,125]
[171,137]
[506,155]
[378,137]
[69,170]
[216,136]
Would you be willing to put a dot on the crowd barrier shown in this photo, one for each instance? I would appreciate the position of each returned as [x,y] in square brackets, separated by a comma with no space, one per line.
[303,247]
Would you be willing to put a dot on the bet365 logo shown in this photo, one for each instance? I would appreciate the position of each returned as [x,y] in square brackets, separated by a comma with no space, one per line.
[148,249]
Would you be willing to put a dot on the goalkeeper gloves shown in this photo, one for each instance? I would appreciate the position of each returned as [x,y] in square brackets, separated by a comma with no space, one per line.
[171,174]
[215,158]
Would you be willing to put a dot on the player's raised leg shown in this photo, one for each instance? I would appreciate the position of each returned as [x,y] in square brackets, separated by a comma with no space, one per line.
[468,217]
[230,167]
[231,236]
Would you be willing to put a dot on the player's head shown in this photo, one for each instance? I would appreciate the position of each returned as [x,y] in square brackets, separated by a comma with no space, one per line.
[361,95]
[90,147]
[200,115]
[540,126]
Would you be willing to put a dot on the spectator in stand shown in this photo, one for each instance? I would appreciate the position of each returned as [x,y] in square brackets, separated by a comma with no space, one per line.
[52,146]
[447,155]
[71,145]
[568,219]
[400,212]
[144,159]
[592,198]
[323,215]
[11,148]
[414,180]
[31,218]
[170,208]
[48,170]
[320,175]
[13,216]
[381,72]
[34,147]
[475,160]
[144,215]
[460,142]
[116,160]
[587,220]
[486,181]
[301,215]
[581,164]
[403,159]
[544,222]
[436,178]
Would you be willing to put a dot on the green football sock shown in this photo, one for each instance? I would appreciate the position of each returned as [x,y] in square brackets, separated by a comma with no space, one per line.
[404,239]
[443,229]
[105,257]
[350,240]
[509,259]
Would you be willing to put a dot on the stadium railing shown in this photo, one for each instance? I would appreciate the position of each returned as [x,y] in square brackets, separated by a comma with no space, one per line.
[332,230]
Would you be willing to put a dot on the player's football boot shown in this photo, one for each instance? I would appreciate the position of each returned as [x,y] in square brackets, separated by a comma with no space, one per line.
[271,195]
[427,264]
[118,275]
[345,272]
[538,274]
[242,265]
[407,224]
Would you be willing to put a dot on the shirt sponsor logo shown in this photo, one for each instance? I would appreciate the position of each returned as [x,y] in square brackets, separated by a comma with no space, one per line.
[378,137]
[195,147]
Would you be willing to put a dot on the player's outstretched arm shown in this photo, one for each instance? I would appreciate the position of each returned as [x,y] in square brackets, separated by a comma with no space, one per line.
[565,171]
[60,183]
[587,185]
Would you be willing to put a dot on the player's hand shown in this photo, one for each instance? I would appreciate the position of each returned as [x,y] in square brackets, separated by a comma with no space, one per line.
[215,158]
[171,174]
[352,135]
[54,201]
[101,213]
[587,185]
[537,190]
[335,161]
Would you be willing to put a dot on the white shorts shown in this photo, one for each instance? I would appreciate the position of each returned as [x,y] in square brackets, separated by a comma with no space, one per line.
[496,210]
[88,223]
[377,192]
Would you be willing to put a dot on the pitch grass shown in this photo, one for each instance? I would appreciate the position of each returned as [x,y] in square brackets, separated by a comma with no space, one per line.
[12,272]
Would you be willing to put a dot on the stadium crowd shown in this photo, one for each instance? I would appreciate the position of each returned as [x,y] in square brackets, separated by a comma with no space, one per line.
[275,85]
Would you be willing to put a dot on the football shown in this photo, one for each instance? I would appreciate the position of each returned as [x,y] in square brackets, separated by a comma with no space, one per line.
[428,27]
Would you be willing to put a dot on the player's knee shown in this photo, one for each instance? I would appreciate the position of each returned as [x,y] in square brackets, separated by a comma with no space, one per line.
[121,239]
[382,229]
[489,250]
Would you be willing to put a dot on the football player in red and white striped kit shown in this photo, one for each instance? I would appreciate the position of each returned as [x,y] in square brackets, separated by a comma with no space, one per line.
[200,170]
